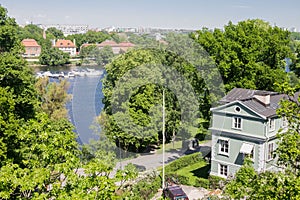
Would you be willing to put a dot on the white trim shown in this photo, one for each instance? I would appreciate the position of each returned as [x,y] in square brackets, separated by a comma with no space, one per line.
[226,163]
[272,124]
[237,122]
[239,102]
[219,170]
[272,153]
[238,133]
[220,146]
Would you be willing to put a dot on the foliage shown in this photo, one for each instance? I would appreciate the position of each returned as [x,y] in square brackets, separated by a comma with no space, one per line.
[105,55]
[145,188]
[249,55]
[100,56]
[216,182]
[183,162]
[90,37]
[54,57]
[54,33]
[54,97]
[9,40]
[39,155]
[141,106]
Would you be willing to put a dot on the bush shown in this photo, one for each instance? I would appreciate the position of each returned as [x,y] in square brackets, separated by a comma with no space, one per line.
[216,182]
[184,161]
[202,182]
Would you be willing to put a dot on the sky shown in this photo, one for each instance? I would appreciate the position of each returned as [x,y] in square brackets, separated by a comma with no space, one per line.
[180,14]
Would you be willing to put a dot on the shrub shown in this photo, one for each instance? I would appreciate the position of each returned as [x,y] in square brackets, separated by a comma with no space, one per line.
[216,182]
[184,161]
[202,182]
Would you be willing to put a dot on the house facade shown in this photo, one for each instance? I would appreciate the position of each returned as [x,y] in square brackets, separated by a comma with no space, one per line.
[66,46]
[32,48]
[245,124]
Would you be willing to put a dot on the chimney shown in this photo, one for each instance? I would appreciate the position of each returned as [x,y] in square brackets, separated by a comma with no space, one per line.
[263,98]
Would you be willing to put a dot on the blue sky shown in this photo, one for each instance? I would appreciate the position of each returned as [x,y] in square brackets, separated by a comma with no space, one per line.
[190,14]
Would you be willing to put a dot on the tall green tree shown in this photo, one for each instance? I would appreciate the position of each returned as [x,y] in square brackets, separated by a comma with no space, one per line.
[53,57]
[54,33]
[249,54]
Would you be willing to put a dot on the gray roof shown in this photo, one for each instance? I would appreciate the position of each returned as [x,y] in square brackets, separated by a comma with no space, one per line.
[246,97]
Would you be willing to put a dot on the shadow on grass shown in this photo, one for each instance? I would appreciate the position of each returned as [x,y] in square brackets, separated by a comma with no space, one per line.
[202,172]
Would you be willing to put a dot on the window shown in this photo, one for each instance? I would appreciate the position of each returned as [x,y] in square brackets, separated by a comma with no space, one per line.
[271,124]
[224,146]
[223,170]
[237,122]
[284,122]
[270,151]
[237,109]
[250,155]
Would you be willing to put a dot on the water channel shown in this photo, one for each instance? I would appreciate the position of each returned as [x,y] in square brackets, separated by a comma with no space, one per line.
[86,103]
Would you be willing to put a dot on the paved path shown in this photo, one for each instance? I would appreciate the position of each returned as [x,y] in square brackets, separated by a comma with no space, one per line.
[151,161]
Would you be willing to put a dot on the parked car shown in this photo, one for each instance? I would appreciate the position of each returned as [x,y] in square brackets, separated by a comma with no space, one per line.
[175,192]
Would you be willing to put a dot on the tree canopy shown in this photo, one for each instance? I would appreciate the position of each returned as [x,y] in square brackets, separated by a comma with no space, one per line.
[249,54]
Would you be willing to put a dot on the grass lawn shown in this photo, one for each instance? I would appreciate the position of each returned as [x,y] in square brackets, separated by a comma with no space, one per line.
[199,169]
[177,146]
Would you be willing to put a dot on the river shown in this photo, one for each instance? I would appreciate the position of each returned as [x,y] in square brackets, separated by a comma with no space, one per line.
[86,103]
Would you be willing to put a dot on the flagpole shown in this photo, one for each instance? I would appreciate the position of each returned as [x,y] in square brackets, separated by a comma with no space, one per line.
[163,142]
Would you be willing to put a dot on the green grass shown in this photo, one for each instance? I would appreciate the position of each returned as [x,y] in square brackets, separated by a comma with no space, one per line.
[177,146]
[169,147]
[194,171]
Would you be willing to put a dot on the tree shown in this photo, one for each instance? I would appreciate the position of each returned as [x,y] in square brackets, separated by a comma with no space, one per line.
[136,123]
[39,155]
[53,57]
[249,55]
[104,55]
[89,53]
[9,40]
[54,97]
[54,33]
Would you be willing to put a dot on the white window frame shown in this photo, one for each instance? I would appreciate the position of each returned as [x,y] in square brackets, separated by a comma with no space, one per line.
[221,170]
[270,151]
[272,124]
[222,145]
[236,123]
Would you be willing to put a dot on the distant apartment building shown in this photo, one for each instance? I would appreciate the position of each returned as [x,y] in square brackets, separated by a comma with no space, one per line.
[66,46]
[116,47]
[32,48]
[67,29]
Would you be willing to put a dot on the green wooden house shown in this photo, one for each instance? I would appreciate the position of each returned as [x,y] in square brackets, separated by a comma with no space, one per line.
[245,124]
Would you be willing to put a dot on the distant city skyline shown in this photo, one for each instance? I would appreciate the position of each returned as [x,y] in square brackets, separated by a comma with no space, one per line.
[179,14]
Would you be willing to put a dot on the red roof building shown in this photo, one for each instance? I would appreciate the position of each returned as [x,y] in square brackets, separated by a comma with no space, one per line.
[32,48]
[66,46]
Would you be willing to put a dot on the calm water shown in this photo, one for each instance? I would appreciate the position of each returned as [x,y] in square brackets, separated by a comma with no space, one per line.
[85,105]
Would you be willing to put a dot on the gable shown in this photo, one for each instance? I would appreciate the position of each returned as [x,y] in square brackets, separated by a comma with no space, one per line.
[237,108]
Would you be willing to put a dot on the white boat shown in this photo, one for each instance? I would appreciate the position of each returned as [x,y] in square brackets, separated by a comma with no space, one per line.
[71,74]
